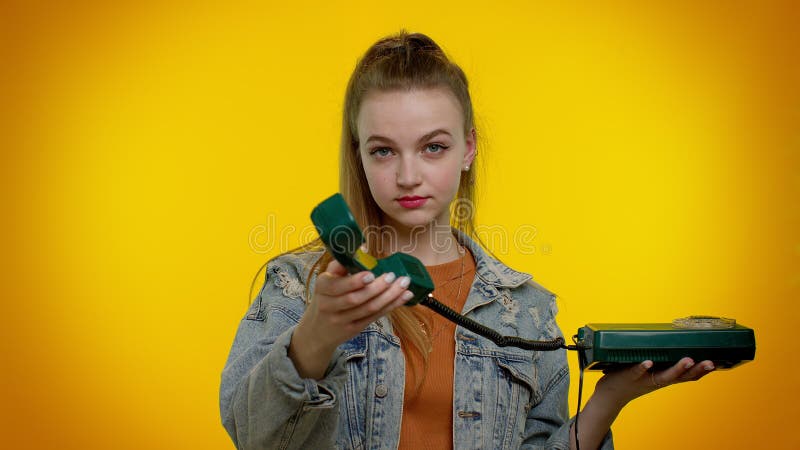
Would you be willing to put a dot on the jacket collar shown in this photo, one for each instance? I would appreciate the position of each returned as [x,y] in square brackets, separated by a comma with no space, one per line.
[490,270]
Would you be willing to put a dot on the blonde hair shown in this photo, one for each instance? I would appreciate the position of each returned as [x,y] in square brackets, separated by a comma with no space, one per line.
[403,61]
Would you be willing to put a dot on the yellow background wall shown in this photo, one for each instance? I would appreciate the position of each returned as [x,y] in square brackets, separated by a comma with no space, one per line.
[155,154]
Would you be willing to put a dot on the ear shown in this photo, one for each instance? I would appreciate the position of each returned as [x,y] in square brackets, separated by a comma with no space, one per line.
[469,155]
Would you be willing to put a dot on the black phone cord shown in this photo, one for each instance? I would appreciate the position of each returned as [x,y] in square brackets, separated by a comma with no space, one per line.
[494,336]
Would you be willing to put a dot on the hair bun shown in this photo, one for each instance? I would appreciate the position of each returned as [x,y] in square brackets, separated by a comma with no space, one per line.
[419,41]
[407,44]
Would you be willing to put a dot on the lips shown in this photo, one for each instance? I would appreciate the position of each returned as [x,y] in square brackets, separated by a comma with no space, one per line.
[412,201]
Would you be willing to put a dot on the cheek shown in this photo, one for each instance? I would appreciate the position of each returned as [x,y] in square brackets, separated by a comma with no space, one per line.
[446,181]
[378,180]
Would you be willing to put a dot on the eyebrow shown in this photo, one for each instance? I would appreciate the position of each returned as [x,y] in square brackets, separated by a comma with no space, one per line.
[424,138]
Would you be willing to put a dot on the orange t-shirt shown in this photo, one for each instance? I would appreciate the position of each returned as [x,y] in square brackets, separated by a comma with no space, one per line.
[427,421]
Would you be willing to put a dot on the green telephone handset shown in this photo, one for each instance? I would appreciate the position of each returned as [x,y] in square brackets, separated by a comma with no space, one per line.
[343,238]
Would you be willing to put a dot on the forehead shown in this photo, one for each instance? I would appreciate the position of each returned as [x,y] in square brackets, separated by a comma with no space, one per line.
[410,113]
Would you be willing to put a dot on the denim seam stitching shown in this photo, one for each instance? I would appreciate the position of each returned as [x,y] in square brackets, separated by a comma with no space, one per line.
[563,372]
[288,430]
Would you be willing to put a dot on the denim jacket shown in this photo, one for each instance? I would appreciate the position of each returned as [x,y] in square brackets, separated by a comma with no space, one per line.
[504,397]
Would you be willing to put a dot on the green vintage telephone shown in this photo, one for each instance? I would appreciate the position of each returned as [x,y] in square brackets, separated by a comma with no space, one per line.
[601,346]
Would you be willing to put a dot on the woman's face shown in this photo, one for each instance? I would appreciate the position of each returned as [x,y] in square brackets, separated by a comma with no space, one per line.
[413,148]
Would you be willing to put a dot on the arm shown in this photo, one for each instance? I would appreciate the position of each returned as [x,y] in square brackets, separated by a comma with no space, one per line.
[615,390]
[548,420]
[548,425]
[280,384]
[264,402]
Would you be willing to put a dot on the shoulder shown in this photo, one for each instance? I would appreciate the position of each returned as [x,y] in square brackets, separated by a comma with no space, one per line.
[284,285]
[296,265]
[493,272]
[290,271]
[531,296]
[522,285]
[536,293]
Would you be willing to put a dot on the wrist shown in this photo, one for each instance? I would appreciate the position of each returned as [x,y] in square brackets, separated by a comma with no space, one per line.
[611,401]
[311,344]
[309,355]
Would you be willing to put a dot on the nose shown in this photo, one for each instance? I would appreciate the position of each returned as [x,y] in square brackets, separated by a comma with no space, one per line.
[408,172]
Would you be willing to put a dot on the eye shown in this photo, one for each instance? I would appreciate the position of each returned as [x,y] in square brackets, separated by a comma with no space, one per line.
[381,152]
[435,148]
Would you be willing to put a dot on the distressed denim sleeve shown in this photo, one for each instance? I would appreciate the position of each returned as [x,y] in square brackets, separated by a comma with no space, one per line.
[263,401]
[547,426]
[548,422]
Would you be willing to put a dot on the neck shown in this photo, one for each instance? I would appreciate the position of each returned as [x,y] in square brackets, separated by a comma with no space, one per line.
[432,245]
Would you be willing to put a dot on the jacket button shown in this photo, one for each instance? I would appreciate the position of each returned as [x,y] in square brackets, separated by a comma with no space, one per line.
[381,390]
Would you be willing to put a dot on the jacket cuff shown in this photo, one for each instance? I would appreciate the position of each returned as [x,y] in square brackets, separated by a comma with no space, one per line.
[313,393]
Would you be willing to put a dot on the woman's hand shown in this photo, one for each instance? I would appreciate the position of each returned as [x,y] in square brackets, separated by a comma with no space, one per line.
[614,390]
[620,387]
[340,308]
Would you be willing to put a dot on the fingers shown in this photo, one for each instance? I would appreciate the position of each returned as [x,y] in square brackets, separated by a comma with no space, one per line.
[352,298]
[671,375]
[386,309]
[352,312]
[697,371]
[683,370]
[334,282]
[640,379]
[367,288]
[374,302]
[640,369]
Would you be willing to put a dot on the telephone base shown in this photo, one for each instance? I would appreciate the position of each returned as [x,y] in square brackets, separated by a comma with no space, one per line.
[609,346]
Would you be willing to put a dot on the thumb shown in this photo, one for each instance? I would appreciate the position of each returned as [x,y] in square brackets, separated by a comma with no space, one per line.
[336,268]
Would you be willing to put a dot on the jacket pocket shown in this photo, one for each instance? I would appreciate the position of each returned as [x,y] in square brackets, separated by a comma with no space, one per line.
[518,390]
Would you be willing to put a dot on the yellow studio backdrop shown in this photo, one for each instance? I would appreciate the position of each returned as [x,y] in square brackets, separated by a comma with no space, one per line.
[155,154]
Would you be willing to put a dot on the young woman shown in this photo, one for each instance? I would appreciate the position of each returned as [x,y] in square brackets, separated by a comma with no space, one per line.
[324,359]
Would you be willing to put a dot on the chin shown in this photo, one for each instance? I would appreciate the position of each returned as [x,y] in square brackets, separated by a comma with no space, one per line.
[412,219]
[401,216]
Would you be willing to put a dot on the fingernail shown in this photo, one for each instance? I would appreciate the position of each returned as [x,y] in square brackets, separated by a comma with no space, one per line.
[407,295]
[368,278]
[389,277]
[709,367]
[647,364]
[688,365]
[405,281]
